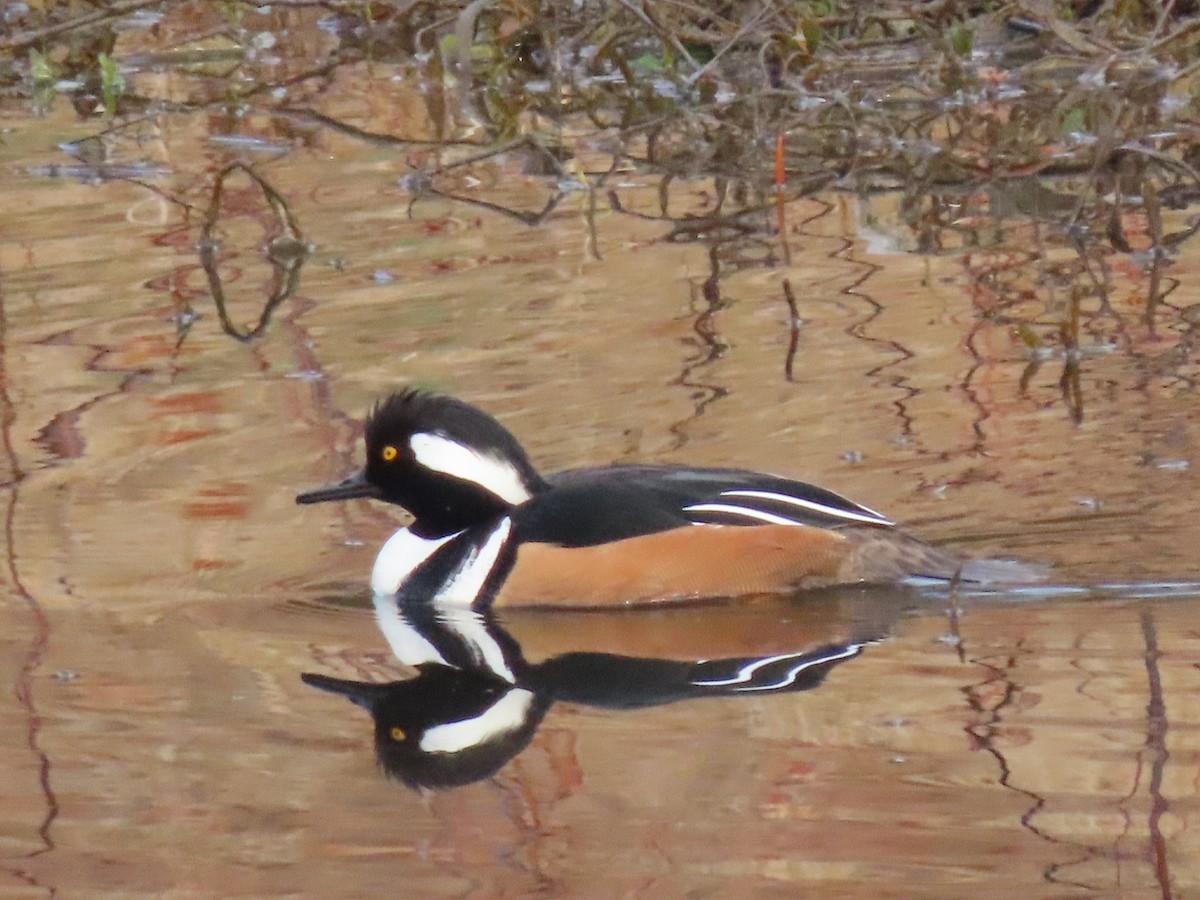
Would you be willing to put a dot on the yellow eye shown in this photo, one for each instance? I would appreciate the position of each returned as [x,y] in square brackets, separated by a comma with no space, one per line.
[389,453]
[398,735]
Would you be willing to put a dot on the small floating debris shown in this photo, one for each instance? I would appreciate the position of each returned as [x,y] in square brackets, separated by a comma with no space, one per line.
[382,276]
[249,143]
[97,173]
[854,457]
[173,59]
[305,375]
[1071,354]
[1093,503]
[1173,465]
[1148,458]
[66,675]
[138,20]
[415,182]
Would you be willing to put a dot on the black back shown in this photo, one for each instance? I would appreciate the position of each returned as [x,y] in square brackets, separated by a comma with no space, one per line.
[592,506]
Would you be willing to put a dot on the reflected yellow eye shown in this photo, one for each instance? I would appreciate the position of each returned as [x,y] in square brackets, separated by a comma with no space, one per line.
[397,733]
[389,453]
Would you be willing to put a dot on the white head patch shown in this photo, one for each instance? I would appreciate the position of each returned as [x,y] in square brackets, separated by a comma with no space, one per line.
[448,456]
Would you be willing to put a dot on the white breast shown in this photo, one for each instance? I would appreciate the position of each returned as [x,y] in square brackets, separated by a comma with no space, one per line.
[399,557]
[405,551]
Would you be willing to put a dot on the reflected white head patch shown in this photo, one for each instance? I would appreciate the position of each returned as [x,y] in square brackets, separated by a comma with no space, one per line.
[505,716]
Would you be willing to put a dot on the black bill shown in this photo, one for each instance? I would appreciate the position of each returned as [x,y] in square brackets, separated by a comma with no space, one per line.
[353,487]
[363,693]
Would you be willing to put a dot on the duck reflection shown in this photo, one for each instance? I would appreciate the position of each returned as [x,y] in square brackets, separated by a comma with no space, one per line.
[478,695]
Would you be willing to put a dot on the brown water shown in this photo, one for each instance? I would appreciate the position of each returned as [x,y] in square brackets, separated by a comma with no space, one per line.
[163,593]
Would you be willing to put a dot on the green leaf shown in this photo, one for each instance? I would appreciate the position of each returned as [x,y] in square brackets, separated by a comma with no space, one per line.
[40,68]
[812,35]
[647,62]
[1074,121]
[961,38]
[112,83]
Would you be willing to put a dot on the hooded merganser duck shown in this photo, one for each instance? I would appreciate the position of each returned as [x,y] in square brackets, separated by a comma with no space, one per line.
[477,700]
[489,529]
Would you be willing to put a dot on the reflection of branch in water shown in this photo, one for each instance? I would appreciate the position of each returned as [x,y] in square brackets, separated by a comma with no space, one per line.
[1150,198]
[528,142]
[967,386]
[1068,382]
[688,228]
[312,117]
[1156,746]
[709,347]
[526,218]
[28,673]
[793,330]
[692,227]
[985,731]
[859,331]
[1072,391]
[421,183]
[1001,303]
[107,14]
[286,252]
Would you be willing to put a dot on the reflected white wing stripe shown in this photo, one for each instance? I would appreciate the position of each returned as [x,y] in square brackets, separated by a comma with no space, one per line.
[746,673]
[867,514]
[743,511]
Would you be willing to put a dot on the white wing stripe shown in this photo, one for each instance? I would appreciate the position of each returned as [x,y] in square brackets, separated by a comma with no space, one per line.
[743,511]
[868,515]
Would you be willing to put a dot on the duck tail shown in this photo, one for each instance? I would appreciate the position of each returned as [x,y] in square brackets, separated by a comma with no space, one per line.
[886,556]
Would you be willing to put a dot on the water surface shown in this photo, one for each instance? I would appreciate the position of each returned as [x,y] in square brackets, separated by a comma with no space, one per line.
[961,366]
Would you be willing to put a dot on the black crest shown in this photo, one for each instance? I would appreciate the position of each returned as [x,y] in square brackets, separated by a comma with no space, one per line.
[396,418]
[440,501]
